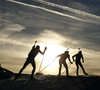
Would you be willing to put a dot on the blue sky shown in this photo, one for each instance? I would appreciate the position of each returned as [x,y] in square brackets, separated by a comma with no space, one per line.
[67,23]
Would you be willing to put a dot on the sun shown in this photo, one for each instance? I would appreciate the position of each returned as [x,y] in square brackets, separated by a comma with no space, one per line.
[52,51]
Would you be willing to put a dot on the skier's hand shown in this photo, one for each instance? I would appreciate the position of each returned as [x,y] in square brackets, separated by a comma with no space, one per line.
[54,59]
[45,48]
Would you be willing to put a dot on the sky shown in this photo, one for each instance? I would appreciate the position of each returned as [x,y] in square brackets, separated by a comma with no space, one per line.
[57,24]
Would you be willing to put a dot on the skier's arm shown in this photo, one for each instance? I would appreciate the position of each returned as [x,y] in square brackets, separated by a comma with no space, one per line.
[69,59]
[33,47]
[57,56]
[34,44]
[82,59]
[73,57]
[43,51]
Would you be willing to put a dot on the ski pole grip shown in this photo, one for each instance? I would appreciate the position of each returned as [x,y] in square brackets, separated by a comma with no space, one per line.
[35,41]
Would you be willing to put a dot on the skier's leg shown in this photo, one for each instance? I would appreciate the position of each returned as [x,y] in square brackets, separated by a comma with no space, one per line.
[77,69]
[83,68]
[60,66]
[24,66]
[65,65]
[34,67]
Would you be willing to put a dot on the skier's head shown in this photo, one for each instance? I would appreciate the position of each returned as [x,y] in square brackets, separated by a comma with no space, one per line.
[67,52]
[37,47]
[80,52]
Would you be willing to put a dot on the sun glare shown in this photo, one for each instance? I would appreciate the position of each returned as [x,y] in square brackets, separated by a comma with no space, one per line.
[50,54]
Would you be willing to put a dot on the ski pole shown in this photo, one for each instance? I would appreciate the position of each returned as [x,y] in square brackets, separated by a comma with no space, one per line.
[41,63]
[65,70]
[47,66]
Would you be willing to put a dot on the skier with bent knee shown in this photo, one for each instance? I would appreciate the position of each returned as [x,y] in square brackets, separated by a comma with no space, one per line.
[32,54]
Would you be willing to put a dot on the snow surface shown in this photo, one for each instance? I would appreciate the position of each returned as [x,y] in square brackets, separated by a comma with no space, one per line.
[51,82]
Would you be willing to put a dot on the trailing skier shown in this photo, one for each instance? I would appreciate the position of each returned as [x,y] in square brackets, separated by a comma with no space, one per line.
[77,60]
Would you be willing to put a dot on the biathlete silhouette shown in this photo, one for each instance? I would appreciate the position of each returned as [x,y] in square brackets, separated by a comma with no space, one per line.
[77,60]
[32,54]
[62,60]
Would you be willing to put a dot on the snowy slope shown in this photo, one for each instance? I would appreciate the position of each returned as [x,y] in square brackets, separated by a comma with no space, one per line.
[48,82]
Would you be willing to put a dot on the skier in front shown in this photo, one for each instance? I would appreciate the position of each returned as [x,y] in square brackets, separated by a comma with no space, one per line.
[32,54]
